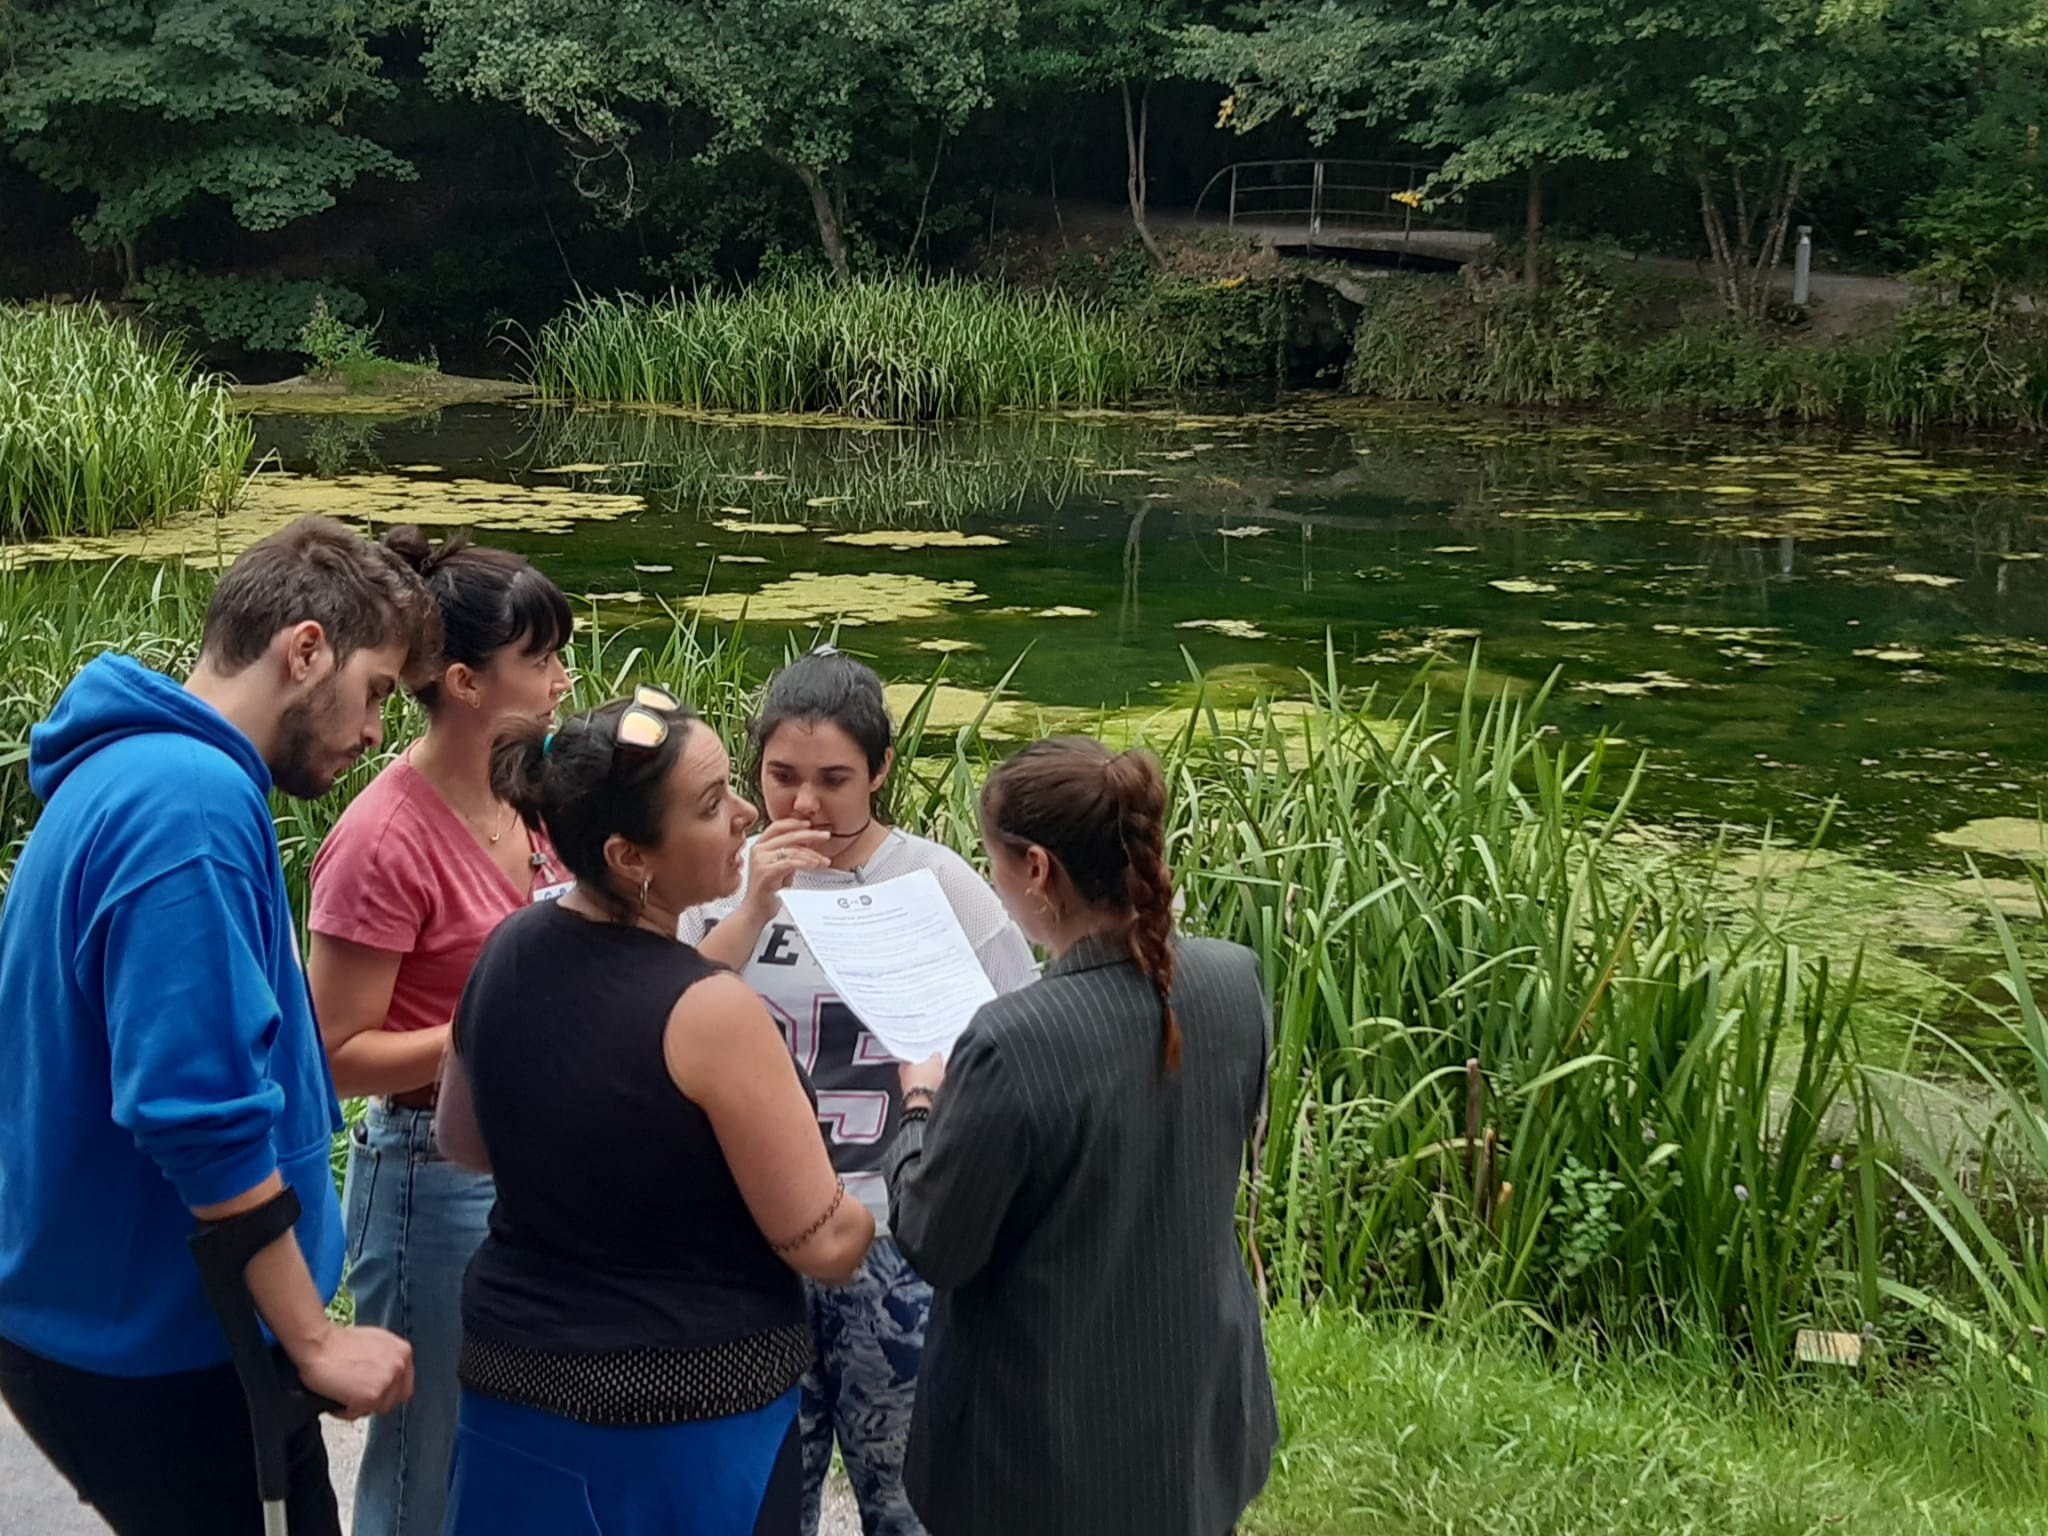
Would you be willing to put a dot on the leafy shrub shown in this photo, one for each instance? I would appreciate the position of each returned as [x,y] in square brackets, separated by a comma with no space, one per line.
[261,313]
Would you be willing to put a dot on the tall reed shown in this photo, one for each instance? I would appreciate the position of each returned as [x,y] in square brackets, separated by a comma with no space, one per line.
[890,349]
[1516,1064]
[103,427]
[1980,1179]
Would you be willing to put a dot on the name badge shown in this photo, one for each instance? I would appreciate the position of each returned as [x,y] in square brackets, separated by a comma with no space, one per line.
[553,892]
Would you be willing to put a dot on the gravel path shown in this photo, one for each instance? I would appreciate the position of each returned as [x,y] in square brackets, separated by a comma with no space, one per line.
[35,1501]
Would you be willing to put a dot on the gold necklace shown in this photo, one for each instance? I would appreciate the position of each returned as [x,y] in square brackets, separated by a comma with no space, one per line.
[504,821]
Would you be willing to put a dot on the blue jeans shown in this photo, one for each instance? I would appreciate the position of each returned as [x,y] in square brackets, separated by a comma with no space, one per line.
[870,1333]
[414,1221]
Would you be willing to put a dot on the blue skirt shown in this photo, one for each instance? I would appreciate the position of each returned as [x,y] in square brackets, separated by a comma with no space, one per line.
[525,1470]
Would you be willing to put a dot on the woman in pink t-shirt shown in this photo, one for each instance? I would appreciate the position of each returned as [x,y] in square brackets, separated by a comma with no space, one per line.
[413,878]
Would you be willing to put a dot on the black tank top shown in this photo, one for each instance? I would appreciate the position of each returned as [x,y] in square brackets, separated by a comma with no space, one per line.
[619,1234]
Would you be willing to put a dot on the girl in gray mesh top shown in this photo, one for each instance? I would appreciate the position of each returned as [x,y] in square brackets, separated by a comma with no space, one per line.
[823,747]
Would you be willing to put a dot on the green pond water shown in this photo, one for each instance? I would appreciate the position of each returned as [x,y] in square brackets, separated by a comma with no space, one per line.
[1779,620]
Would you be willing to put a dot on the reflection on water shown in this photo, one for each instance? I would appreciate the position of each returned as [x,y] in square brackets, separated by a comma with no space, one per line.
[1781,619]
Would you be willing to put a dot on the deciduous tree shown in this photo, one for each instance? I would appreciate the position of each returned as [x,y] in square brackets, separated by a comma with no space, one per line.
[800,82]
[153,106]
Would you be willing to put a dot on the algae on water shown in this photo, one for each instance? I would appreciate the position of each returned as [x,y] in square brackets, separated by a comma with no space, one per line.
[878,597]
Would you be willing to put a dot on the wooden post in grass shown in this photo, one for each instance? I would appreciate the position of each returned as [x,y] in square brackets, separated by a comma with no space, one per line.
[1475,1104]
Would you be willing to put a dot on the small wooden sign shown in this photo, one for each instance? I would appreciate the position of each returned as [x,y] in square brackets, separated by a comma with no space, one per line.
[1813,1346]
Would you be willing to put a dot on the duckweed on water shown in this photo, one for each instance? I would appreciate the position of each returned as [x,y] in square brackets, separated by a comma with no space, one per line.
[877,597]
[2010,837]
[1640,686]
[906,538]
[379,500]
[1521,585]
[1235,629]
[951,708]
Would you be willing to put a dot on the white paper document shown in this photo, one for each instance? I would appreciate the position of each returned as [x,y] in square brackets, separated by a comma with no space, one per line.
[898,958]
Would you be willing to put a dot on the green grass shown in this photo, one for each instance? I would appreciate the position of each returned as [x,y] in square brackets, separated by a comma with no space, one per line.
[103,428]
[890,349]
[1394,1430]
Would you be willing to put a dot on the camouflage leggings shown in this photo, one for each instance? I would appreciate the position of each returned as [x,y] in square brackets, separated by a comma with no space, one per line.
[870,1333]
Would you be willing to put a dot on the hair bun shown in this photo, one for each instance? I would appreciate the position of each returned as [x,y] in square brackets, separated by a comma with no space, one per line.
[409,543]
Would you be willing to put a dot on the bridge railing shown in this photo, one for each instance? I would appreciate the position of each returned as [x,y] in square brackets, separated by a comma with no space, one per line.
[1326,195]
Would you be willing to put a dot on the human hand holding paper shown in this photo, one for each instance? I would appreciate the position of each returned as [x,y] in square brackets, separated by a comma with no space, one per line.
[898,958]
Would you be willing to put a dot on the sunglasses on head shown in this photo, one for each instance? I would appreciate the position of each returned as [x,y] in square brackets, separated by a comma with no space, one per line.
[644,725]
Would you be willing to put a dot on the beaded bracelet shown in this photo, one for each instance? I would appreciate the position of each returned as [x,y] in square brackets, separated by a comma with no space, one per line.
[929,1095]
[815,1227]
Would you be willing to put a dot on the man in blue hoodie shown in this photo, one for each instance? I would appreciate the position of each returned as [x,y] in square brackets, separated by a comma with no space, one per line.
[159,1064]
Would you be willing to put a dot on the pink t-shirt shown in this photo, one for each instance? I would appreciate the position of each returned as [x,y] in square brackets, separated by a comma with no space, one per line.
[402,872]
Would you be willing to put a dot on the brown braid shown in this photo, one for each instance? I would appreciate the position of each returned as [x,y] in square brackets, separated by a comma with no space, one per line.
[1140,796]
[1102,817]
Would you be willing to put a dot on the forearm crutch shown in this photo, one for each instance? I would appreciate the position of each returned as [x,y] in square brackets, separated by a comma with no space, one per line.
[278,1406]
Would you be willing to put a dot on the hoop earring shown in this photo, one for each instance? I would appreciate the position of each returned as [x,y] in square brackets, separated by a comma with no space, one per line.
[645,882]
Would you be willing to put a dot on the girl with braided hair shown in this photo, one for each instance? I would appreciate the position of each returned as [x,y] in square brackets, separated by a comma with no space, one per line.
[1068,1185]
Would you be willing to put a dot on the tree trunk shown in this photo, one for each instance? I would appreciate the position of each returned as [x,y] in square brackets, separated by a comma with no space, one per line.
[1746,258]
[1135,132]
[1772,251]
[1531,272]
[131,265]
[831,232]
[1717,241]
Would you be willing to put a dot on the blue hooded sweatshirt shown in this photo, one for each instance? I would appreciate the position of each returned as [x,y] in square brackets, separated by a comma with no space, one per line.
[157,1045]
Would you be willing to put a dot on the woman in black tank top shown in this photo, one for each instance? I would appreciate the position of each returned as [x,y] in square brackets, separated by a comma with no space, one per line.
[634,1325]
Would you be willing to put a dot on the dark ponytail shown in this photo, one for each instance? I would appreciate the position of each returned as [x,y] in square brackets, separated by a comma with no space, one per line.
[568,782]
[519,766]
[1102,816]
[489,599]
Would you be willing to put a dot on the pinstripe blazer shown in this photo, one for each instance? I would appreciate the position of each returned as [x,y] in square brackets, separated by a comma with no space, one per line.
[1095,1365]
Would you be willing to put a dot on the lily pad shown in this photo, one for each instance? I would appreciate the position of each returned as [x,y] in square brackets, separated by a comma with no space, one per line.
[785,530]
[947,647]
[1236,629]
[1521,585]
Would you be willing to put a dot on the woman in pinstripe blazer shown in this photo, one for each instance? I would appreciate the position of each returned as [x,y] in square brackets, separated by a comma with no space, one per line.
[1068,1186]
